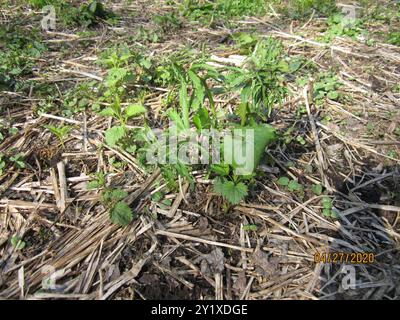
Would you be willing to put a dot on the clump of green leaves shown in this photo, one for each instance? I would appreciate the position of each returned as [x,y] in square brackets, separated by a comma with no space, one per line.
[123,68]
[393,38]
[19,49]
[328,210]
[86,14]
[327,87]
[230,191]
[98,182]
[116,133]
[61,132]
[261,83]
[291,185]
[302,9]
[78,98]
[168,21]
[339,25]
[221,10]
[119,211]
[228,183]
[17,242]
[317,189]
[18,160]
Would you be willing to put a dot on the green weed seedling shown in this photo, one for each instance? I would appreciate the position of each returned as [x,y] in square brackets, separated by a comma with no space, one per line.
[261,83]
[119,211]
[327,87]
[291,185]
[18,160]
[2,164]
[116,133]
[61,132]
[17,242]
[328,209]
[303,9]
[98,182]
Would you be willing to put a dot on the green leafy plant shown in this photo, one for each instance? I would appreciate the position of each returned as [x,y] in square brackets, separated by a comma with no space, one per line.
[231,191]
[98,182]
[17,242]
[261,82]
[339,26]
[228,184]
[119,211]
[19,51]
[2,163]
[291,185]
[327,86]
[61,132]
[328,210]
[221,10]
[86,14]
[116,133]
[18,159]
[317,189]
[168,21]
[302,9]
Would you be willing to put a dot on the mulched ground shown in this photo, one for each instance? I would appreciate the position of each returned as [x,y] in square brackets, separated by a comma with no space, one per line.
[194,249]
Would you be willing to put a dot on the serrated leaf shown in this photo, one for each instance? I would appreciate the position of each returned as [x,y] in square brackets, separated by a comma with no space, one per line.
[121,214]
[134,110]
[220,169]
[114,134]
[232,192]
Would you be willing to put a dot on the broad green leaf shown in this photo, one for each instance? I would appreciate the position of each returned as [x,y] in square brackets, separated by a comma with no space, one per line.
[283,181]
[114,134]
[317,189]
[327,203]
[17,243]
[121,214]
[134,110]
[107,112]
[242,141]
[232,192]
[326,212]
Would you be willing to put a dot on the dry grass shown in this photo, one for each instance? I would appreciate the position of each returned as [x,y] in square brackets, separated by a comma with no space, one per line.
[192,250]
